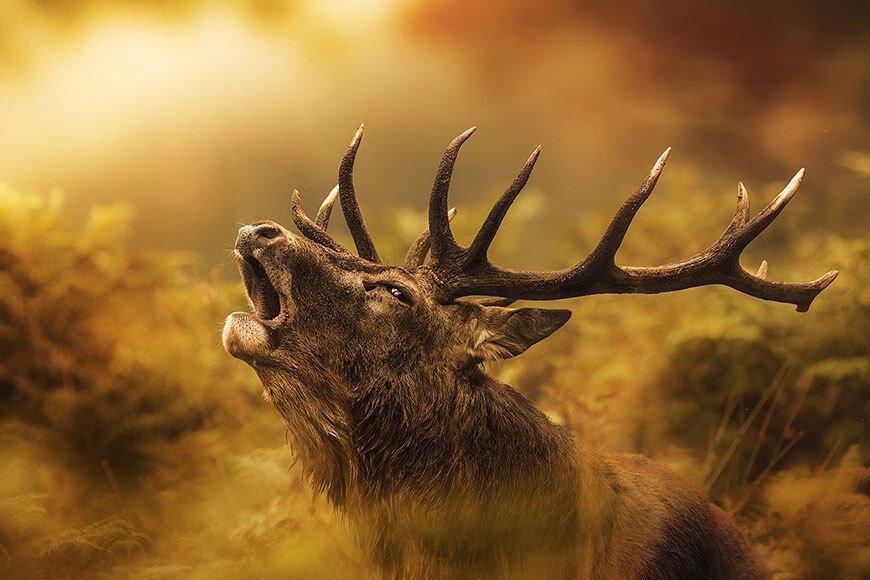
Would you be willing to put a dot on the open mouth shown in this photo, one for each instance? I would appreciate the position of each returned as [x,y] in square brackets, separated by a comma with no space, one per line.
[264,298]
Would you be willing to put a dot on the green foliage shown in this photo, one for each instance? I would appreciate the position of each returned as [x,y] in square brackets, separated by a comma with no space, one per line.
[132,446]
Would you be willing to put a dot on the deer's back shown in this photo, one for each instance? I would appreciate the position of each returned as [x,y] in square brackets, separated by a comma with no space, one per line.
[665,527]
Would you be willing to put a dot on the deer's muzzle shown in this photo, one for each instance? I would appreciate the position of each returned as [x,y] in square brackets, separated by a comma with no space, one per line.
[258,235]
[267,301]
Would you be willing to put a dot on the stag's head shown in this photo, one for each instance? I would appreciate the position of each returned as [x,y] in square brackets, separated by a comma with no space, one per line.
[321,311]
[317,305]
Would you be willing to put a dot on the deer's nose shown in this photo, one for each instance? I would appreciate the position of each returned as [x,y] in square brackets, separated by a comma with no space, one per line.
[258,235]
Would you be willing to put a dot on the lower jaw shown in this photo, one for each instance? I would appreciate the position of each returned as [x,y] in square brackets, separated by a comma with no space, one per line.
[247,337]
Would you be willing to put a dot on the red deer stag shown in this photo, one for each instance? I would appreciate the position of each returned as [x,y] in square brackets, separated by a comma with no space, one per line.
[444,471]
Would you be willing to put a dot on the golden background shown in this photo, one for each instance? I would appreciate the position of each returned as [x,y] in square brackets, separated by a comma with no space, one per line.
[135,137]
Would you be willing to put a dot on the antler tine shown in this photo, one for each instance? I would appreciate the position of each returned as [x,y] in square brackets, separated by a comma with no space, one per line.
[322,218]
[766,216]
[480,246]
[349,205]
[442,241]
[741,212]
[801,295]
[416,255]
[605,251]
[309,229]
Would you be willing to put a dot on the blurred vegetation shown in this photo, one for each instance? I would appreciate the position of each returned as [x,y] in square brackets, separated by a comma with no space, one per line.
[133,446]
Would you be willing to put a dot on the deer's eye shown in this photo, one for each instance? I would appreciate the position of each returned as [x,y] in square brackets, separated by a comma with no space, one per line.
[397,293]
[394,291]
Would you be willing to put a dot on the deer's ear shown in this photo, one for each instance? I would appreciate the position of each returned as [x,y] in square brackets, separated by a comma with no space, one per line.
[507,332]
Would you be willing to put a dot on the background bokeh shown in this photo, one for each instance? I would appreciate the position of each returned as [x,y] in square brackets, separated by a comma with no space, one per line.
[135,137]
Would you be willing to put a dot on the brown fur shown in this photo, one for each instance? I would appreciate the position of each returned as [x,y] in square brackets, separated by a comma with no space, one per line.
[445,471]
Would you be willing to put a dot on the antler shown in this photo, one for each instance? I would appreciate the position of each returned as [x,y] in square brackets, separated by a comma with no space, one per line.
[314,230]
[416,254]
[462,271]
[322,218]
[349,205]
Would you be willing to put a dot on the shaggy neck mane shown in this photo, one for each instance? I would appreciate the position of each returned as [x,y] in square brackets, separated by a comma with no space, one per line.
[420,434]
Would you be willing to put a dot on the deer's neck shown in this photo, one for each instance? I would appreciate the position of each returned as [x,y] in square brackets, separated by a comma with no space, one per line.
[439,434]
[421,433]
[312,401]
